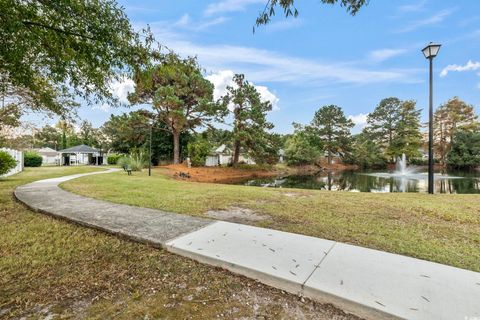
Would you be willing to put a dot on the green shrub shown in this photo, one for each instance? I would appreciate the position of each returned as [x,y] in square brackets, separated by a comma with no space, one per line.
[7,162]
[138,160]
[32,159]
[123,162]
[198,150]
[418,162]
[113,158]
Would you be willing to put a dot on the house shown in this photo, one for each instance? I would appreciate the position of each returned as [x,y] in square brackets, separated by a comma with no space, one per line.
[81,154]
[224,156]
[49,155]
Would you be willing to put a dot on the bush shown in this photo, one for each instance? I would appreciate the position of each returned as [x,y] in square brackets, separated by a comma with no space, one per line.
[465,151]
[123,162]
[32,159]
[7,162]
[113,158]
[418,162]
[198,150]
[300,149]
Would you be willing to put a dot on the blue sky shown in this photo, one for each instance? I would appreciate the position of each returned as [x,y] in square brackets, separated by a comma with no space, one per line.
[325,56]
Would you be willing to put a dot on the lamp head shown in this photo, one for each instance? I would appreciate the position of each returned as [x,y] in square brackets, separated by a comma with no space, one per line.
[431,50]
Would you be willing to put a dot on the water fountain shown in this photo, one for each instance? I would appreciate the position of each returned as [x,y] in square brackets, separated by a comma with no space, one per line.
[401,166]
[404,172]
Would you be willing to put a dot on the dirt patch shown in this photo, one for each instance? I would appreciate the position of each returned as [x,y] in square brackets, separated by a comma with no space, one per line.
[236,214]
[302,308]
[218,174]
[296,195]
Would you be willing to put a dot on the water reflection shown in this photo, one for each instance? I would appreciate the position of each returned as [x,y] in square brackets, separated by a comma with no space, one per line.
[356,181]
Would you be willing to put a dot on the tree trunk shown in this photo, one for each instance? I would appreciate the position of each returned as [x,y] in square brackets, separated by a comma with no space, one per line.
[64,140]
[176,147]
[236,152]
[329,157]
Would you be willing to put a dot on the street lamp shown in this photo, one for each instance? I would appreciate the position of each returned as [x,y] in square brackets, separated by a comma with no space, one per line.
[430,52]
[150,151]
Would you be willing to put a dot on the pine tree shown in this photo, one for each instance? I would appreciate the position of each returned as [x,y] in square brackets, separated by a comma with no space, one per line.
[180,95]
[331,125]
[250,123]
[450,117]
[408,138]
[382,122]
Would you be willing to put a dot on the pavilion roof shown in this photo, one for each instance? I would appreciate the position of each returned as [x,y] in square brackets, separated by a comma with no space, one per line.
[79,149]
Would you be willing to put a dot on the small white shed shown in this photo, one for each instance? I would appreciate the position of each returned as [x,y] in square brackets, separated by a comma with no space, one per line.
[224,156]
[49,155]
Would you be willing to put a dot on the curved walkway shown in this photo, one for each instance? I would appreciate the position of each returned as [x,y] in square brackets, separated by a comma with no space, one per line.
[366,282]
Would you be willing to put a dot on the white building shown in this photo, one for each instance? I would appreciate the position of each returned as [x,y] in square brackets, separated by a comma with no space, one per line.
[81,154]
[49,155]
[224,156]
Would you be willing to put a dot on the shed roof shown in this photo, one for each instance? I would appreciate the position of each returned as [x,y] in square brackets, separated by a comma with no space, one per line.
[79,149]
[46,150]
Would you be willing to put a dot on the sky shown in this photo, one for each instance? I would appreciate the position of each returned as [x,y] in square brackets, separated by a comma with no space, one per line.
[325,56]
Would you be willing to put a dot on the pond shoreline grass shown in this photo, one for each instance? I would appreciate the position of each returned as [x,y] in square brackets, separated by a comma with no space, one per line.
[51,268]
[440,228]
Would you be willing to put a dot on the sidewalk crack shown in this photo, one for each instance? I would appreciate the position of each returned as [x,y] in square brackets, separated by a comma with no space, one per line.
[318,265]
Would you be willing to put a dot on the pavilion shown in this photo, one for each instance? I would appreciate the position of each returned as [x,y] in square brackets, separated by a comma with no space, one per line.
[81,154]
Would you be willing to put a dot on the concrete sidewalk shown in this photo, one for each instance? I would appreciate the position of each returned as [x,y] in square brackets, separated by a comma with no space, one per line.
[369,283]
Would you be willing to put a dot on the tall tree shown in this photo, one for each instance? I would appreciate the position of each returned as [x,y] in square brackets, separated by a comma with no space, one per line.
[366,152]
[88,134]
[450,117]
[382,122]
[303,146]
[250,123]
[465,150]
[48,136]
[180,95]
[50,49]
[129,131]
[65,128]
[408,138]
[333,128]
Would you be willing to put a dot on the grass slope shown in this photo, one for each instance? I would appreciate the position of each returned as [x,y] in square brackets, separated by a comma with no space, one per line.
[51,268]
[440,228]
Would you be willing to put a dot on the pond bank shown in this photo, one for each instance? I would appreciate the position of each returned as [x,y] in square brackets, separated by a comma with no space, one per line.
[232,174]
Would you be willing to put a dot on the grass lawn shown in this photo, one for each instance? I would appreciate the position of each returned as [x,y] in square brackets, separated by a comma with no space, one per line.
[441,228]
[49,267]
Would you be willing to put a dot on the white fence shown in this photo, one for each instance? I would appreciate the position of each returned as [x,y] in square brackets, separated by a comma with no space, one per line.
[18,156]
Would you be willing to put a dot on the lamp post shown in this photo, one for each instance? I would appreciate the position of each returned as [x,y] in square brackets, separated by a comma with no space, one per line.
[150,152]
[430,52]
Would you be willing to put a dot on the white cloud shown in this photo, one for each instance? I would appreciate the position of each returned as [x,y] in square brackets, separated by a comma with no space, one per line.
[230,6]
[207,24]
[262,65]
[360,121]
[221,80]
[119,90]
[470,66]
[267,95]
[183,21]
[434,19]
[284,24]
[224,78]
[187,23]
[413,7]
[384,54]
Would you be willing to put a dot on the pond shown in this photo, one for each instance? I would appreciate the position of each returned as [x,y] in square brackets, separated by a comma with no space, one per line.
[367,181]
